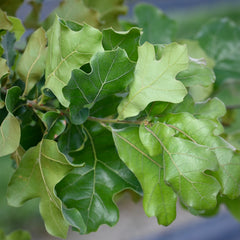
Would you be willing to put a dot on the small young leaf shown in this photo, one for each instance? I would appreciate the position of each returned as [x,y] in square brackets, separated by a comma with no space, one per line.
[90,190]
[9,135]
[17,27]
[158,199]
[129,41]
[155,80]
[55,124]
[67,50]
[41,168]
[111,73]
[157,27]
[31,65]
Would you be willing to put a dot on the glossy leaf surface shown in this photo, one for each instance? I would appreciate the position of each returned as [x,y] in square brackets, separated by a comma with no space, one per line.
[158,198]
[90,190]
[111,73]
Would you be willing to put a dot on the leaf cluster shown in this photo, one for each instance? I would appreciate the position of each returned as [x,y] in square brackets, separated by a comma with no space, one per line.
[87,112]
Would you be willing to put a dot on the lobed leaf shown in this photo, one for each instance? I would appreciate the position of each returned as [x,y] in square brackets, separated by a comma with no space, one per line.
[89,192]
[41,168]
[185,164]
[157,27]
[154,80]
[129,41]
[68,49]
[158,198]
[111,73]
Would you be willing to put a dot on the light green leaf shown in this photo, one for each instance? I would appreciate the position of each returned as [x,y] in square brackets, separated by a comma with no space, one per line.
[67,50]
[9,135]
[158,198]
[111,73]
[211,109]
[90,190]
[41,168]
[196,74]
[157,27]
[205,132]
[17,27]
[31,65]
[4,70]
[5,23]
[185,163]
[220,40]
[129,41]
[233,207]
[154,80]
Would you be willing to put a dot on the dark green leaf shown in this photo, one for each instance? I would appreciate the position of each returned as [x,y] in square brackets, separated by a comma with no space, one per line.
[12,99]
[90,190]
[55,124]
[111,73]
[157,27]
[72,139]
[10,6]
[129,41]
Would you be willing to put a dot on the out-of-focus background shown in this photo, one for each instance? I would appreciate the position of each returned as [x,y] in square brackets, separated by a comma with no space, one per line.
[133,223]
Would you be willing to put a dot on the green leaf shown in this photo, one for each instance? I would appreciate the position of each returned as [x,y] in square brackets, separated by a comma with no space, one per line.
[158,198]
[195,188]
[108,11]
[5,23]
[111,73]
[220,39]
[67,50]
[205,132]
[12,99]
[157,27]
[129,41]
[55,124]
[8,43]
[196,74]
[154,80]
[233,207]
[72,139]
[73,10]
[90,190]
[17,27]
[9,135]
[41,168]
[31,65]
[4,70]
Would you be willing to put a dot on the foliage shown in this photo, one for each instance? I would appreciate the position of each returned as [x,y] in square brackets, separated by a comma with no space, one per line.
[87,113]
